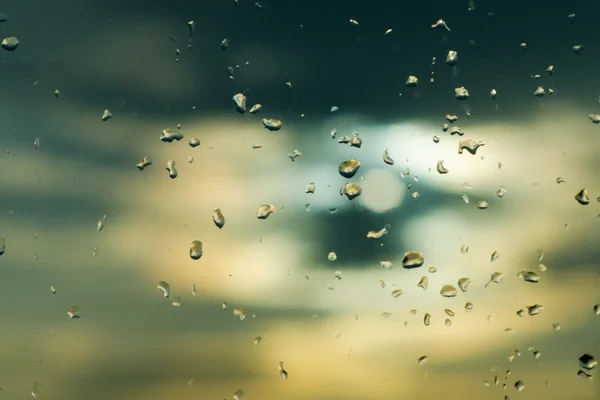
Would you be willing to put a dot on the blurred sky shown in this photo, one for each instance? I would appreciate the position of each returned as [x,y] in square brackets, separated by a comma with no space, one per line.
[331,334]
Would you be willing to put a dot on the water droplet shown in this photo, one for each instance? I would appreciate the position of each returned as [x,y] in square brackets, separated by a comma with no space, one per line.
[282,372]
[196,250]
[427,319]
[176,302]
[35,389]
[240,313]
[422,360]
[385,264]
[332,256]
[53,289]
[225,44]
[238,394]
[2,245]
[355,141]
[386,158]
[436,139]
[432,270]
[535,309]
[584,374]
[449,312]
[224,305]
[101,223]
[106,115]
[194,142]
[520,386]
[339,275]
[412,81]
[348,168]
[413,259]
[496,277]
[74,311]
[582,197]
[448,291]
[539,92]
[165,288]
[482,205]
[588,362]
[171,168]
[529,276]
[218,218]
[257,340]
[294,154]
[36,143]
[463,284]
[537,354]
[440,167]
[397,293]
[423,283]
[351,190]
[272,124]
[265,210]
[494,256]
[469,306]
[10,43]
[169,135]
[193,289]
[143,163]
[470,145]
[455,130]
[240,102]
[465,198]
[501,191]
[378,234]
[461,93]
[452,58]
[597,309]
[191,383]
[255,108]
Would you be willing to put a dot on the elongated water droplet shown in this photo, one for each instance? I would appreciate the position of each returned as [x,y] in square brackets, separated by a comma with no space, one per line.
[282,372]
[143,163]
[535,309]
[494,256]
[397,293]
[423,283]
[582,197]
[470,145]
[386,158]
[169,135]
[422,360]
[529,276]
[196,250]
[171,168]
[265,210]
[165,288]
[240,102]
[101,223]
[463,284]
[440,167]
[378,234]
[272,124]
[427,319]
[310,188]
[496,277]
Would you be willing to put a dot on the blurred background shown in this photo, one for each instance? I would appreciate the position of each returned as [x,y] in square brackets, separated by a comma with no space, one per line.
[323,68]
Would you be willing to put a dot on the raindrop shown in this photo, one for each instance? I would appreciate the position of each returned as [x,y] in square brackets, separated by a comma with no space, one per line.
[196,250]
[448,291]
[257,340]
[310,188]
[265,210]
[397,293]
[470,145]
[501,191]
[463,284]
[218,218]
[272,124]
[10,43]
[143,163]
[535,309]
[582,197]
[351,190]
[240,313]
[587,361]
[165,288]
[449,312]
[469,307]
[422,360]
[496,277]
[386,158]
[494,256]
[74,311]
[520,386]
[440,167]
[412,81]
[423,283]
[378,234]
[529,276]
[427,319]
[171,168]
[169,135]
[282,372]
[413,259]
[255,108]
[461,93]
[106,115]
[482,205]
[101,223]
[348,168]
[238,394]
[332,256]
[194,142]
